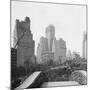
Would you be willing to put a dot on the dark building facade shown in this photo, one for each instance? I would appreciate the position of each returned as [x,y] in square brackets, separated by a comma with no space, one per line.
[13,58]
[23,42]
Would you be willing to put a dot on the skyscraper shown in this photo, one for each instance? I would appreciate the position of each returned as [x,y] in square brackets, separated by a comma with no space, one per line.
[50,35]
[85,45]
[60,51]
[24,42]
[51,49]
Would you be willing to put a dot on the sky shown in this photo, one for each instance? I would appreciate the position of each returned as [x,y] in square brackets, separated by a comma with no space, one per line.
[69,21]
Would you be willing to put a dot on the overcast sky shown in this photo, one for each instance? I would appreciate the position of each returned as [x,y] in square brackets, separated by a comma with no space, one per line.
[69,21]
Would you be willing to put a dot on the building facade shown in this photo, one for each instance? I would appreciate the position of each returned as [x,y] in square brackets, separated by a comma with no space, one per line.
[13,58]
[24,42]
[60,51]
[50,35]
[85,45]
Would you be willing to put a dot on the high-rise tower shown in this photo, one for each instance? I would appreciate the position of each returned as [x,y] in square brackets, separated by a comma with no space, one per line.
[85,45]
[50,35]
[24,42]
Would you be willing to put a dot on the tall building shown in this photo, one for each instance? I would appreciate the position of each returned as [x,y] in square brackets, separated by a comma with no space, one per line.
[42,47]
[24,42]
[13,58]
[60,51]
[50,35]
[85,45]
[51,49]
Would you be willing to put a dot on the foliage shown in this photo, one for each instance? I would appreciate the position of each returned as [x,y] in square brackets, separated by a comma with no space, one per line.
[77,63]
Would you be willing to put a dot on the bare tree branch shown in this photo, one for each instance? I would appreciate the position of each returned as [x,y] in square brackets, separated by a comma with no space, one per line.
[20,38]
